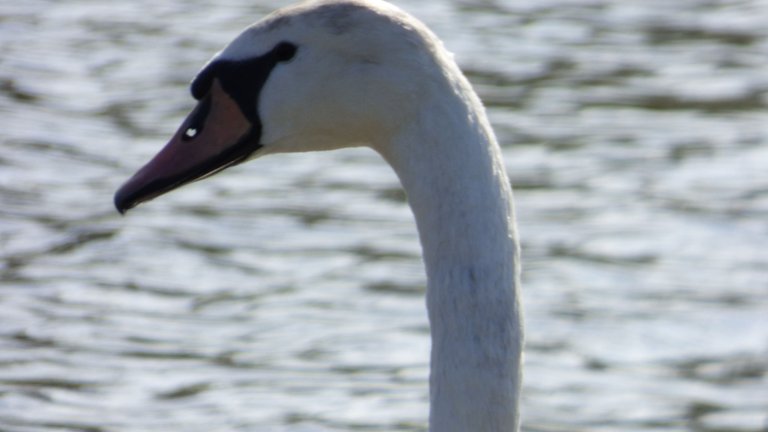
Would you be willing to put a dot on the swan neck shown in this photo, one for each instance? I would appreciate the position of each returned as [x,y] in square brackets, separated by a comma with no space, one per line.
[451,168]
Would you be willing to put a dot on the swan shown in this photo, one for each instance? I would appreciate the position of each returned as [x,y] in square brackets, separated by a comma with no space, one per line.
[324,75]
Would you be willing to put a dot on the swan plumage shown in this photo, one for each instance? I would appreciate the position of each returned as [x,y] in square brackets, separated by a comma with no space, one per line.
[329,74]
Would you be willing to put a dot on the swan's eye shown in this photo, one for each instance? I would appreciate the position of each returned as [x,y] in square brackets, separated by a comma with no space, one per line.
[284,51]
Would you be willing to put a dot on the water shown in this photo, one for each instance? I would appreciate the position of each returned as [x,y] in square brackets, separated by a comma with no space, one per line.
[287,294]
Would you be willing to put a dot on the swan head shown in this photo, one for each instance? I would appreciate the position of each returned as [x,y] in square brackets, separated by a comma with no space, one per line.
[316,76]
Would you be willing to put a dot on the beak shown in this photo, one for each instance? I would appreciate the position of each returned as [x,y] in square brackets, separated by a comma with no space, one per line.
[215,136]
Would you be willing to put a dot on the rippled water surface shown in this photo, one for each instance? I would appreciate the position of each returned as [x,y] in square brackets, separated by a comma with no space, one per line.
[287,294]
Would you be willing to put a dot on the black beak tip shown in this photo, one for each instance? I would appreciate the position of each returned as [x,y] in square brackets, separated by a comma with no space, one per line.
[120,208]
[123,203]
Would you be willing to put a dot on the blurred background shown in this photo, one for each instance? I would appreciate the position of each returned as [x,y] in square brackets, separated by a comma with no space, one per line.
[287,294]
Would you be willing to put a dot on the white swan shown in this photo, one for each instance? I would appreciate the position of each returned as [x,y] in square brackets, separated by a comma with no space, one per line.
[342,73]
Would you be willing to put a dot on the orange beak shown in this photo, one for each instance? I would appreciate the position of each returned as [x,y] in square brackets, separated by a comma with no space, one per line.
[215,136]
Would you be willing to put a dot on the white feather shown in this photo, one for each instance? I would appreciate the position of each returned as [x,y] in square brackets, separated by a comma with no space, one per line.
[366,73]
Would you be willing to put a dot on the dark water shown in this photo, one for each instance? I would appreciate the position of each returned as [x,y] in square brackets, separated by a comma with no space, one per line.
[287,295]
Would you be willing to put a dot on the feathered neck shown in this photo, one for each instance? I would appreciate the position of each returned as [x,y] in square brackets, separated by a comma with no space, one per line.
[450,165]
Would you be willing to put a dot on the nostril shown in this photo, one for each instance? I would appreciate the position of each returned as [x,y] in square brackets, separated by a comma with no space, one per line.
[197,119]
